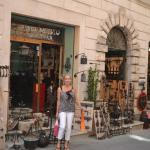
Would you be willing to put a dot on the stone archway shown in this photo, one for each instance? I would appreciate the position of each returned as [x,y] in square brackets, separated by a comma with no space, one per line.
[116,39]
[133,48]
[126,25]
[116,55]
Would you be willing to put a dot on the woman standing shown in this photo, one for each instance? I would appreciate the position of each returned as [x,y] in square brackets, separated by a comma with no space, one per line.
[66,100]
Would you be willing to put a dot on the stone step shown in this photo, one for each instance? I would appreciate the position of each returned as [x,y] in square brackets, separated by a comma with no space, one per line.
[137,125]
[148,105]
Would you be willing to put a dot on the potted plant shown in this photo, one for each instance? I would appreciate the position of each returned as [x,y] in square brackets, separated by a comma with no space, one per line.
[93,79]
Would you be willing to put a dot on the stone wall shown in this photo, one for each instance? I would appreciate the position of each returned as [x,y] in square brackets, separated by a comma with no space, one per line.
[88,16]
[4,60]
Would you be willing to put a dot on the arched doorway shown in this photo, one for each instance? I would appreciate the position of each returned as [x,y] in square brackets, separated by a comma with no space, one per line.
[116,55]
[118,39]
[115,71]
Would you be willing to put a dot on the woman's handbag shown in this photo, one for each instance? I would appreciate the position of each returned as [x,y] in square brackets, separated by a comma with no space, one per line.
[56,128]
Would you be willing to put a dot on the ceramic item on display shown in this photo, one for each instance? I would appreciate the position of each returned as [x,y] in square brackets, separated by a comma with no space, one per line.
[96,114]
[97,123]
[31,143]
[12,123]
[43,140]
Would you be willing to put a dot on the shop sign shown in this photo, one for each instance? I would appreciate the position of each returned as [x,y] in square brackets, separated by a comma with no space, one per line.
[50,34]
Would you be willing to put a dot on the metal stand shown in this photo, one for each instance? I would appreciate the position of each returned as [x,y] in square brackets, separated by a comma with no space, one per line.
[51,98]
[16,134]
[52,139]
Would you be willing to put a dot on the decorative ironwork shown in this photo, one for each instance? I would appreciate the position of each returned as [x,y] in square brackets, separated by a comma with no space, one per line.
[67,65]
[83,75]
[83,59]
[115,64]
[4,71]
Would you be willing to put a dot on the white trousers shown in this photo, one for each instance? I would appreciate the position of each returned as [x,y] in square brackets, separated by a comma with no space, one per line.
[65,125]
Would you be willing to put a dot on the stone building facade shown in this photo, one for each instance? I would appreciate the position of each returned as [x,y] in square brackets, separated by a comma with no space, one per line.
[92,20]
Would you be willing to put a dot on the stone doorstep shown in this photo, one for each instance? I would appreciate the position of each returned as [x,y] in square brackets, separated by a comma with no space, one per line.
[79,133]
[137,125]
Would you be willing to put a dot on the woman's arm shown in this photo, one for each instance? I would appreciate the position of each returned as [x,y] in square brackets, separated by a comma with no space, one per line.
[58,101]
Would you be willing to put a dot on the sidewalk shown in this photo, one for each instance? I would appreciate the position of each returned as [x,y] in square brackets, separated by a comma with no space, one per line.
[139,140]
[123,142]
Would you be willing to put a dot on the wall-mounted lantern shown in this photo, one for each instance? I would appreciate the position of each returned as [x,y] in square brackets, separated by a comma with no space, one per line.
[83,75]
[83,59]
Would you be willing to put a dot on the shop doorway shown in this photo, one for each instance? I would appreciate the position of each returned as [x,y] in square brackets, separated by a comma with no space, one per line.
[41,52]
[35,71]
[36,62]
[115,71]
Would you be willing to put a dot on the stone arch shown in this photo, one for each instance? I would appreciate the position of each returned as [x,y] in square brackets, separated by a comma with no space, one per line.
[126,25]
[116,39]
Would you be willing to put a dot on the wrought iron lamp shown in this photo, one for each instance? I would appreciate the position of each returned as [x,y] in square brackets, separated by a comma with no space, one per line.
[83,75]
[83,59]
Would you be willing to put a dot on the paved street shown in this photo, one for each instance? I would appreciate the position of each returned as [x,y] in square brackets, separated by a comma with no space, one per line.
[134,141]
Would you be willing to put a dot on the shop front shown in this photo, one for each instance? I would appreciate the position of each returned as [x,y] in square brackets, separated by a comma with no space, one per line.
[41,53]
[38,55]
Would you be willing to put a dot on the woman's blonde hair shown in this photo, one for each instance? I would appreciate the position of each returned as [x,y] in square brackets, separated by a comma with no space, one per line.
[65,76]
